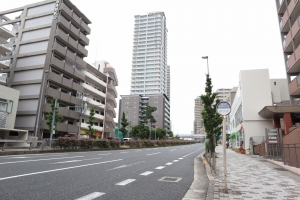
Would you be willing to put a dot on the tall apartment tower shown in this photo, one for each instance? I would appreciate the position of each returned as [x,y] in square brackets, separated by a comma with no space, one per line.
[222,93]
[198,120]
[288,16]
[150,72]
[42,49]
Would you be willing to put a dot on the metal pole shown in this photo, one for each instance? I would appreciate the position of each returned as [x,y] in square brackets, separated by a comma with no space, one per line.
[53,120]
[40,103]
[207,67]
[224,154]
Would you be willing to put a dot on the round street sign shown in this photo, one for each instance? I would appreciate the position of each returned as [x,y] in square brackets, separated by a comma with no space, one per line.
[223,108]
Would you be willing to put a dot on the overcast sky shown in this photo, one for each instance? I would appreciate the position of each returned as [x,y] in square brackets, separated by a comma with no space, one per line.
[235,35]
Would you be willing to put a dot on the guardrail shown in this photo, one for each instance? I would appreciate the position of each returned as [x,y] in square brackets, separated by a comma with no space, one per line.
[4,142]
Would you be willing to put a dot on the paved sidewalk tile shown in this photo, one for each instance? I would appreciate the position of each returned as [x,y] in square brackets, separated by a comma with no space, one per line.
[250,178]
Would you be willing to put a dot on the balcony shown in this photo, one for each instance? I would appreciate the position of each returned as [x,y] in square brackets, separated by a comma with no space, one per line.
[294,87]
[77,87]
[63,112]
[64,22]
[52,92]
[65,97]
[84,39]
[91,89]
[72,128]
[4,48]
[82,50]
[62,127]
[73,114]
[85,27]
[66,9]
[75,100]
[4,64]
[55,77]
[76,18]
[95,79]
[6,34]
[112,98]
[110,108]
[60,49]
[97,116]
[294,63]
[67,82]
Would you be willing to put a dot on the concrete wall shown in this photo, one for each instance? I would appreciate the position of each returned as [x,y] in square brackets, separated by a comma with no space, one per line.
[13,95]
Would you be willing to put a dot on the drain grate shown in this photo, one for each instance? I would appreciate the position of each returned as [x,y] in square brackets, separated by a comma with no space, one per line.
[170,179]
[280,169]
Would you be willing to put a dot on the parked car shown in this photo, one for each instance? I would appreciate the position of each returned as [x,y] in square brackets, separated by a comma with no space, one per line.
[126,139]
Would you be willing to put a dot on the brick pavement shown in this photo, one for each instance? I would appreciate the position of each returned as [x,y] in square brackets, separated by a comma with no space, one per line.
[252,177]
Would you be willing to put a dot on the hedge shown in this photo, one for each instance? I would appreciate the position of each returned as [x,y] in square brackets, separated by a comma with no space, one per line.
[89,143]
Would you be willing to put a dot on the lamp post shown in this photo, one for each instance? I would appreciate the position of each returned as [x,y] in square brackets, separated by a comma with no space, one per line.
[40,103]
[206,57]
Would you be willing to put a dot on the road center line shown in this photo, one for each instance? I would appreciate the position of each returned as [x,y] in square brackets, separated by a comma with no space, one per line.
[146,173]
[192,152]
[169,163]
[126,182]
[175,160]
[180,158]
[152,154]
[104,154]
[60,169]
[173,150]
[160,167]
[91,196]
[122,166]
[76,160]
[23,161]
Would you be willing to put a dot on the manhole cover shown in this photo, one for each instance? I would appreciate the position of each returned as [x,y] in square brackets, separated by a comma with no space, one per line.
[170,179]
[280,169]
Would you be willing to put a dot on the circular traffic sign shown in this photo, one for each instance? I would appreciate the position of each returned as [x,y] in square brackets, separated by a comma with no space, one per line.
[223,108]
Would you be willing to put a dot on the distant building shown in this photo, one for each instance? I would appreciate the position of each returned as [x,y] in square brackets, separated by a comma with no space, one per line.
[134,108]
[198,120]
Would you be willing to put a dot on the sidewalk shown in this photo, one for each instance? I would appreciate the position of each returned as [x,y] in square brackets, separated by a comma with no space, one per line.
[252,177]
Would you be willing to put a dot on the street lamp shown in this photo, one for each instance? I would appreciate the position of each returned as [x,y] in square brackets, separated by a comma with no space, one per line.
[40,103]
[206,57]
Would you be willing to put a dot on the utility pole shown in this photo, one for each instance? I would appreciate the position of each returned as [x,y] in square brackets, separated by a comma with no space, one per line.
[53,120]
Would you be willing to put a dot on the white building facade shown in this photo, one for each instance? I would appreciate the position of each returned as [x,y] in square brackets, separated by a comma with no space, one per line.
[150,72]
[253,93]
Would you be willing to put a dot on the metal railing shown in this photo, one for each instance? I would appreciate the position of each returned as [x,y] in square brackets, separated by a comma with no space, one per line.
[291,154]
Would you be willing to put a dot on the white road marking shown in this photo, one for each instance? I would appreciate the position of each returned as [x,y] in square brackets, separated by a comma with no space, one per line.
[180,158]
[160,167]
[122,166]
[104,154]
[175,160]
[169,163]
[173,150]
[60,169]
[91,196]
[152,154]
[22,161]
[192,152]
[33,155]
[76,160]
[146,173]
[126,182]
[148,149]
[138,150]
[182,147]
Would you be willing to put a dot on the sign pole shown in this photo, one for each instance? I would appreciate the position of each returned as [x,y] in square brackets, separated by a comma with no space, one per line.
[223,108]
[224,154]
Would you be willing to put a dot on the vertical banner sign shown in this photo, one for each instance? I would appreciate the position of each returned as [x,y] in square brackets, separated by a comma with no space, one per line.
[56,9]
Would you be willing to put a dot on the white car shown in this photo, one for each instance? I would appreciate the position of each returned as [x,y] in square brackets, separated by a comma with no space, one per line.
[126,139]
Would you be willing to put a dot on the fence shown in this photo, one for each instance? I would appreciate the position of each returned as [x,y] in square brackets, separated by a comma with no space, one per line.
[291,154]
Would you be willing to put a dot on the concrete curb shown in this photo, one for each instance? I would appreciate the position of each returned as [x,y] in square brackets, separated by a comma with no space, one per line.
[198,188]
[211,186]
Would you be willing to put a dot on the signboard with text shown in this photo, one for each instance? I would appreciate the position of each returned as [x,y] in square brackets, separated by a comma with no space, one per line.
[223,108]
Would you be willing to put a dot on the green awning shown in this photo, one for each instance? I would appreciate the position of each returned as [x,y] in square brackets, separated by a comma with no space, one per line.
[234,134]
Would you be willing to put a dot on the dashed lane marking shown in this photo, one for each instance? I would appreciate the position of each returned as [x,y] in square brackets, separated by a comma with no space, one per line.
[180,158]
[104,154]
[23,161]
[160,167]
[173,150]
[169,163]
[125,182]
[76,160]
[146,173]
[91,196]
[175,160]
[152,154]
[60,169]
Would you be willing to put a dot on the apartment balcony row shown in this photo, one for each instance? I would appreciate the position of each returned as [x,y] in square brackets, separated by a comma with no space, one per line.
[90,78]
[5,33]
[112,90]
[70,70]
[90,89]
[71,43]
[4,64]
[72,16]
[65,111]
[5,48]
[291,12]
[111,109]
[64,82]
[64,97]
[95,103]
[63,127]
[294,87]
[96,128]
[109,119]
[97,116]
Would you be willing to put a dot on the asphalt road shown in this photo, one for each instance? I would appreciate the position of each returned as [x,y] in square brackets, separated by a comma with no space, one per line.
[135,174]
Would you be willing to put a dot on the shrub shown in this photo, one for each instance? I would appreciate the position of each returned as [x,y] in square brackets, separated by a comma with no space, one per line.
[102,143]
[134,143]
[115,143]
[85,143]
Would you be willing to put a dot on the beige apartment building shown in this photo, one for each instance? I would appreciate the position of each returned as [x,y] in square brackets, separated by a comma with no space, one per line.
[198,120]
[42,51]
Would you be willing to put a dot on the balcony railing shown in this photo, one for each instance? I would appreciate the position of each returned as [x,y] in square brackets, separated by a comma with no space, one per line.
[283,44]
[4,64]
[287,65]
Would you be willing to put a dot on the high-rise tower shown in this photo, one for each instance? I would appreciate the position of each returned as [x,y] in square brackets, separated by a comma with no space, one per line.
[149,62]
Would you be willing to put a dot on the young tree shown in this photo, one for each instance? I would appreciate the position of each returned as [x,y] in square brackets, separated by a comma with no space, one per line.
[58,117]
[149,118]
[124,124]
[140,131]
[91,122]
[212,120]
